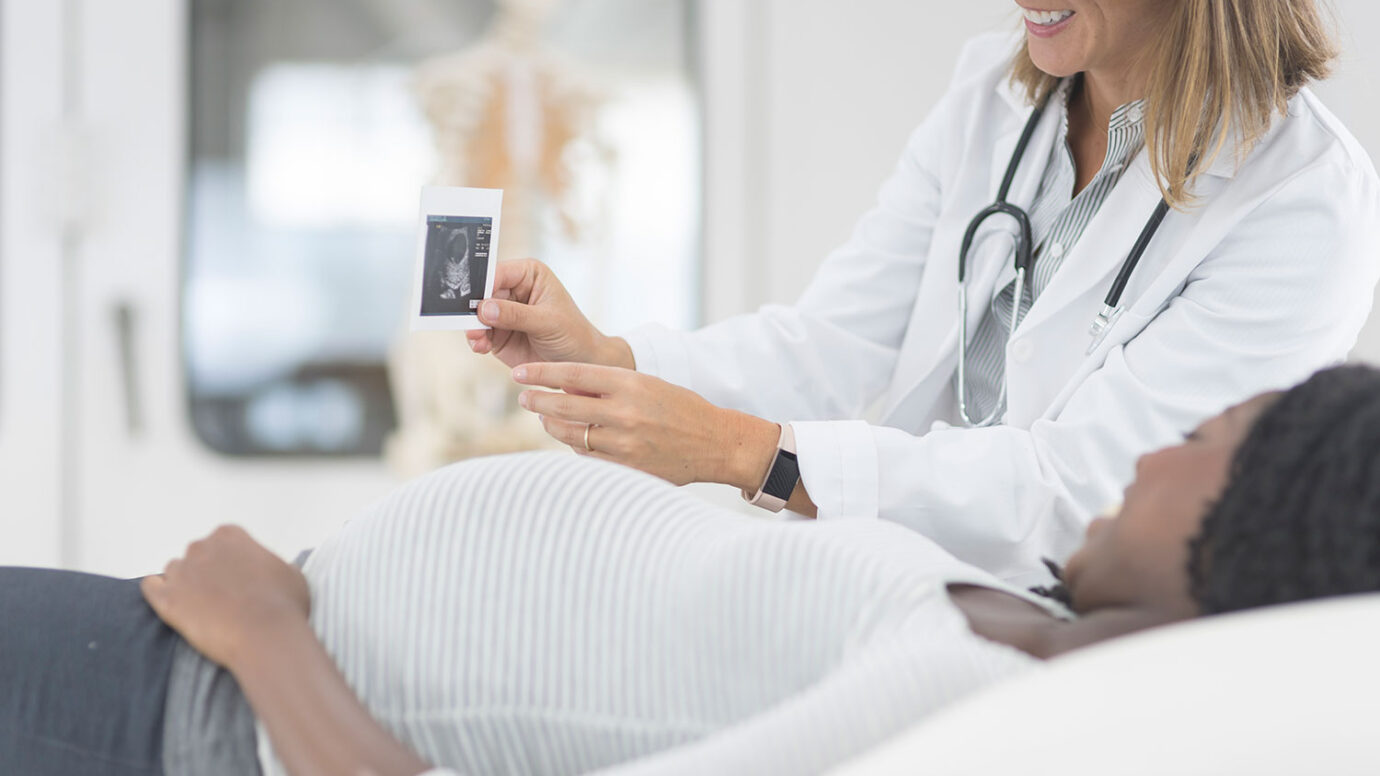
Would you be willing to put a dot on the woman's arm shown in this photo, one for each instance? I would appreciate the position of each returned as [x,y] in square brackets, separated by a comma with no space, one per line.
[244,608]
[312,716]
[876,694]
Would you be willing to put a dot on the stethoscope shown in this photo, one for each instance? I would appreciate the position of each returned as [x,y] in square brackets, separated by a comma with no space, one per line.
[1024,258]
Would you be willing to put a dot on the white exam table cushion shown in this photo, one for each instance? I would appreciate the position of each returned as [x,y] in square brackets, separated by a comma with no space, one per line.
[1272,692]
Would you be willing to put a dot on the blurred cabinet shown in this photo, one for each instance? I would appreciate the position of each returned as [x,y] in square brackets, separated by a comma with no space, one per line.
[106,458]
[802,114]
[145,483]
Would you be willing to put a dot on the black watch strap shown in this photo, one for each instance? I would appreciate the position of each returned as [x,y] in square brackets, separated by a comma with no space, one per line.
[782,476]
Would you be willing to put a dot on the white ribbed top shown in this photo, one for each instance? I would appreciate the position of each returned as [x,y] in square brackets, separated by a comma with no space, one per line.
[547,613]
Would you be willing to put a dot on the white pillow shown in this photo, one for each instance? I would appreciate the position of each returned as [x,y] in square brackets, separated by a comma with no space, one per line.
[1284,691]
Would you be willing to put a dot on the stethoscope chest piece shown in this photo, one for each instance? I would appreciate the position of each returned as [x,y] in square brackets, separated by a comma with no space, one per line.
[1102,324]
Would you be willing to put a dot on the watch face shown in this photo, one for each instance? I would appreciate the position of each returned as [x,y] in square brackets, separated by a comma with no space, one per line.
[785,473]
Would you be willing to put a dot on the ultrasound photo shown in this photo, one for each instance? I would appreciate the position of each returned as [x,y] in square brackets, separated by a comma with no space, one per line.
[456,264]
[457,233]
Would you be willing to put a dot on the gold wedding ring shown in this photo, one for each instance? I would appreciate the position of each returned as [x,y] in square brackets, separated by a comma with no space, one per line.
[588,449]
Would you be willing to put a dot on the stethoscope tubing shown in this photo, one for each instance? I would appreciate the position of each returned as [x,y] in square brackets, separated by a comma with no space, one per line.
[1142,242]
[1024,260]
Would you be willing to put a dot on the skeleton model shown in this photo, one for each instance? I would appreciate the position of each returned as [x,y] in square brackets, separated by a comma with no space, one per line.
[506,114]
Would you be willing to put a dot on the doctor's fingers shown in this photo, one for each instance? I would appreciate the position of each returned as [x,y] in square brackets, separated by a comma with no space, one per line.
[585,379]
[486,341]
[604,443]
[479,341]
[518,316]
[576,409]
[516,279]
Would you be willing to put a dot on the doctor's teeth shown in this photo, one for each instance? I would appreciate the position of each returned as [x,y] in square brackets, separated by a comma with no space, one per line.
[1046,18]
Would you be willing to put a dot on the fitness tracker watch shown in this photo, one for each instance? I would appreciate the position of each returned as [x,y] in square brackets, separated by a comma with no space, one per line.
[781,477]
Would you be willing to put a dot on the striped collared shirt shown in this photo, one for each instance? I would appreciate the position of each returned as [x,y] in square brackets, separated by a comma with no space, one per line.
[1057,220]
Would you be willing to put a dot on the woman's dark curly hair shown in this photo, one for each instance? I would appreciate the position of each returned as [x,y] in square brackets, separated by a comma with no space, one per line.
[1300,515]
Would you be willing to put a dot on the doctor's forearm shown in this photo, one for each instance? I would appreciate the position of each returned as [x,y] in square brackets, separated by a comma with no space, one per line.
[615,351]
[800,502]
[750,454]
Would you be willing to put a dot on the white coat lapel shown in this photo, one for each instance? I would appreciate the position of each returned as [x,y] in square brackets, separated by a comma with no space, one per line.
[1104,246]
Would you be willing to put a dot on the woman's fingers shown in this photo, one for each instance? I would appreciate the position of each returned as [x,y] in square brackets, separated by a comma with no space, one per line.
[154,588]
[565,406]
[586,379]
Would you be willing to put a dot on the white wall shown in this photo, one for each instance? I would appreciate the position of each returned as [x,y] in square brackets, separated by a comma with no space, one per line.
[31,269]
[849,81]
[843,84]
[1351,94]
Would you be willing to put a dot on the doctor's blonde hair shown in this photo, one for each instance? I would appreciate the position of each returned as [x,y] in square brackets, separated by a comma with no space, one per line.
[1220,67]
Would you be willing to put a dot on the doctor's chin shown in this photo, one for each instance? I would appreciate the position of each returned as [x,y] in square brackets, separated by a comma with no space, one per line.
[670,387]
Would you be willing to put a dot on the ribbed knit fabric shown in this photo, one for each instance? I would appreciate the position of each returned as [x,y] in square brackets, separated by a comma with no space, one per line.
[1057,221]
[547,613]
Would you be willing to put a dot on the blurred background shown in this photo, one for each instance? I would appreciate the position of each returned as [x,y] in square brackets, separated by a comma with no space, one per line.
[207,212]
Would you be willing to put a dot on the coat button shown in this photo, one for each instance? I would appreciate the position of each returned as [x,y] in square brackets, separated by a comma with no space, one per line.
[1022,351]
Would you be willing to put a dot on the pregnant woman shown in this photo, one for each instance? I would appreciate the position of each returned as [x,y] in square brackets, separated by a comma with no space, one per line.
[558,614]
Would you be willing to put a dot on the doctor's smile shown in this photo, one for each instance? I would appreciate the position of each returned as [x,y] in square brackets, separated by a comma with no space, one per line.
[1046,23]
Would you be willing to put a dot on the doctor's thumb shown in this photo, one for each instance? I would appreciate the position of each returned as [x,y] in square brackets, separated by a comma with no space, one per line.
[505,314]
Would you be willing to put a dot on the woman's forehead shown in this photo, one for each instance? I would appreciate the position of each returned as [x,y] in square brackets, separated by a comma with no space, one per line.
[1239,418]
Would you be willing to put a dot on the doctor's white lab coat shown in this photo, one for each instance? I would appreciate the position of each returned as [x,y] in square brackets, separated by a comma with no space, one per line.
[1269,278]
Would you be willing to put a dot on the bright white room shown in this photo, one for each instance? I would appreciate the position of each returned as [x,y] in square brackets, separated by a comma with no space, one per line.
[209,228]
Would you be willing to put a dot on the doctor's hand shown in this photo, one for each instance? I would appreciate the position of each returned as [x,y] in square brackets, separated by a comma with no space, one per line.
[227,594]
[533,318]
[649,424]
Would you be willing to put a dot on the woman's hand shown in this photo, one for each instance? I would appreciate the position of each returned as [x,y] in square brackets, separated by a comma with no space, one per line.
[534,319]
[226,593]
[649,424]
[243,607]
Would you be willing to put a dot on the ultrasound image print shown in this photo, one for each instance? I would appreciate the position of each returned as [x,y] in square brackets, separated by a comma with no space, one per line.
[457,263]
[455,273]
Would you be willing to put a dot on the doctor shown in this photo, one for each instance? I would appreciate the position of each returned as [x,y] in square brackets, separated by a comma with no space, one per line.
[1161,221]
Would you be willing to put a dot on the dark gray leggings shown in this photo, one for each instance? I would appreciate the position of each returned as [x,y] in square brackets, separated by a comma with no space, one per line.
[84,669]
